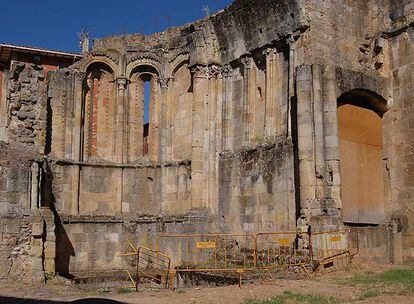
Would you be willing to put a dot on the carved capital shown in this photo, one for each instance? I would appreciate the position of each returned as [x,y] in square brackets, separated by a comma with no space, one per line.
[200,71]
[291,42]
[164,82]
[270,51]
[80,76]
[226,70]
[122,83]
[246,62]
[214,71]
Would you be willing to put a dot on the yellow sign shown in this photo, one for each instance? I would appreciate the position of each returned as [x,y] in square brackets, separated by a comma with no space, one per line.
[283,242]
[336,238]
[206,245]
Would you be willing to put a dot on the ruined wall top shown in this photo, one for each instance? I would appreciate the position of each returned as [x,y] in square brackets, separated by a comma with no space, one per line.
[243,26]
[339,28]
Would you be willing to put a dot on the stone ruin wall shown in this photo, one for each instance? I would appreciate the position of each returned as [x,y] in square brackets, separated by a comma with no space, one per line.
[243,134]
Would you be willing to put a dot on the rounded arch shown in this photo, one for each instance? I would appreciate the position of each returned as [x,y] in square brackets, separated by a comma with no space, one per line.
[102,60]
[143,70]
[141,63]
[143,113]
[178,62]
[98,68]
[97,133]
[365,99]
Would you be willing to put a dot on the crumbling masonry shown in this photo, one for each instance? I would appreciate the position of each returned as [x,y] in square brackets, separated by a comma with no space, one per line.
[270,115]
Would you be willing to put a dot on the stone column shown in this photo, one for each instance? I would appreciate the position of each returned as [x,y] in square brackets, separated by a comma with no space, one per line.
[164,81]
[121,134]
[291,82]
[318,112]
[247,92]
[270,102]
[79,109]
[79,130]
[226,74]
[211,172]
[154,149]
[331,147]
[165,136]
[200,89]
[305,140]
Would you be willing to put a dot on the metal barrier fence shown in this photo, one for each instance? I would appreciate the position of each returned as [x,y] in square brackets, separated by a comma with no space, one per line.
[238,253]
[330,249]
[282,250]
[209,252]
[150,265]
[329,243]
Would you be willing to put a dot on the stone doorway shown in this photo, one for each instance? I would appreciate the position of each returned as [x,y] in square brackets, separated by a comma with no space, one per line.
[361,164]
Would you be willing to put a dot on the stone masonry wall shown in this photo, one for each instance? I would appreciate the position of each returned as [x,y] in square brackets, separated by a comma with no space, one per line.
[243,133]
[257,189]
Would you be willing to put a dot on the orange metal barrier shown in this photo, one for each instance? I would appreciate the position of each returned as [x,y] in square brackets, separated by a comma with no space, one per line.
[238,253]
[282,249]
[209,252]
[150,265]
[330,249]
[329,243]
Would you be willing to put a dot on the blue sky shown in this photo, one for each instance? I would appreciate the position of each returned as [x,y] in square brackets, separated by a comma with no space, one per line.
[54,24]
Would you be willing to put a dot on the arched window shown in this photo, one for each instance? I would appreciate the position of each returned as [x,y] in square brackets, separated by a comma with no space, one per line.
[98,114]
[146,112]
[361,165]
[143,113]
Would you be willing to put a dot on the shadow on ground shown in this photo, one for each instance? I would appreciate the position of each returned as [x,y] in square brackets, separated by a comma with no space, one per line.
[38,301]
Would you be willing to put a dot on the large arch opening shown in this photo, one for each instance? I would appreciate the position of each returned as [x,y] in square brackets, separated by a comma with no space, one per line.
[361,163]
[143,113]
[98,113]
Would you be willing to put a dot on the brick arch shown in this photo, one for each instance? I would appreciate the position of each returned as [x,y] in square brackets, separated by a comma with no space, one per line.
[98,113]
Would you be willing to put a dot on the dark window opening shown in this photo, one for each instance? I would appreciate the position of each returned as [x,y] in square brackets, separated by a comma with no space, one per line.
[146,115]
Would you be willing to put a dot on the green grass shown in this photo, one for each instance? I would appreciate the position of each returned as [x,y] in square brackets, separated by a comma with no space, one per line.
[391,282]
[369,294]
[292,297]
[394,277]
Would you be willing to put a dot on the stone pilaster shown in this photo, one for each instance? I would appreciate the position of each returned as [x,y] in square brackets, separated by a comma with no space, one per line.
[165,137]
[226,74]
[79,115]
[305,143]
[291,82]
[164,82]
[212,136]
[318,112]
[121,132]
[331,146]
[200,88]
[247,63]
[318,146]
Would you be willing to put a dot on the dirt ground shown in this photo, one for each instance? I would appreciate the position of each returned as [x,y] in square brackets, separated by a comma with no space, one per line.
[333,287]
